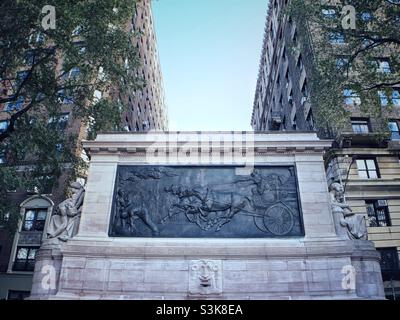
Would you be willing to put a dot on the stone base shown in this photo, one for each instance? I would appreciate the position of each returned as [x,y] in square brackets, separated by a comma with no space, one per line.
[214,269]
[319,265]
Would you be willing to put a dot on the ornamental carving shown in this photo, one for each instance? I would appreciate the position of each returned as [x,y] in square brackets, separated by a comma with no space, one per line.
[209,202]
[205,277]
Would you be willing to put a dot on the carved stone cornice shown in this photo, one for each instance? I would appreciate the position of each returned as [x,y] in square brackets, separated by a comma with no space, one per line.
[257,144]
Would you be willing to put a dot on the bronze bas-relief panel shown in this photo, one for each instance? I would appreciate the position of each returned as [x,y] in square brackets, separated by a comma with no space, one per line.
[205,202]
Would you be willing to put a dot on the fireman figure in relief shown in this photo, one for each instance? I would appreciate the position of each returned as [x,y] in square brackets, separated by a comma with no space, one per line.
[129,212]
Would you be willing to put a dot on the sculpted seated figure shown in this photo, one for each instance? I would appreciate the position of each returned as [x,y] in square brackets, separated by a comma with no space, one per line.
[347,222]
[64,225]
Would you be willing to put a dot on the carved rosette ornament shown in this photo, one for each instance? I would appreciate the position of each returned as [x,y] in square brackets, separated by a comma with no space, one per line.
[348,224]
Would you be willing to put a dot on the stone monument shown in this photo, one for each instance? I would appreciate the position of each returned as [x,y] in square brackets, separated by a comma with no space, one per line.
[207,215]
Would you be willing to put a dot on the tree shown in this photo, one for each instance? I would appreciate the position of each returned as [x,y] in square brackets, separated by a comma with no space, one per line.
[42,70]
[355,46]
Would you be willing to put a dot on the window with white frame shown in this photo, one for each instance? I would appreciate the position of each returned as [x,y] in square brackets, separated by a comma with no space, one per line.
[360,126]
[34,219]
[394,129]
[367,169]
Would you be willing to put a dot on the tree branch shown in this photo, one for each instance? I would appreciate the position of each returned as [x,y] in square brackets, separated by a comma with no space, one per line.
[13,119]
[27,78]
[381,85]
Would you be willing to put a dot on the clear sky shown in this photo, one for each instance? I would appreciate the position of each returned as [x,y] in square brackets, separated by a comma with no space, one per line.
[209,52]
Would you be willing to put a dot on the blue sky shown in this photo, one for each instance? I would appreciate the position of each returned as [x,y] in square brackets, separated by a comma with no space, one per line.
[209,52]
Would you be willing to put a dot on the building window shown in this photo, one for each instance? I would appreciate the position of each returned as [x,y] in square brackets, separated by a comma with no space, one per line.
[25,259]
[336,38]
[295,38]
[73,73]
[34,220]
[360,126]
[394,129]
[60,122]
[294,123]
[77,31]
[351,97]
[304,90]
[21,77]
[290,97]
[342,63]
[64,97]
[59,148]
[367,169]
[15,105]
[271,31]
[389,262]
[384,66]
[80,46]
[366,16]
[329,13]
[3,125]
[37,38]
[30,57]
[300,63]
[310,121]
[4,218]
[394,98]
[97,95]
[283,128]
[383,98]
[17,295]
[378,213]
[287,77]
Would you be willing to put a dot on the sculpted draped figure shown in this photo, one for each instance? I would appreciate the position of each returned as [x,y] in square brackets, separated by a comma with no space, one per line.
[347,223]
[64,225]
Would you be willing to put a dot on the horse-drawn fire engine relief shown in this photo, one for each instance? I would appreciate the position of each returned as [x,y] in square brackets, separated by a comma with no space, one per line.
[205,202]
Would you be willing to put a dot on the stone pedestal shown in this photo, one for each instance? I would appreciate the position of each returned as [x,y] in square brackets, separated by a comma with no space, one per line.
[317,264]
[47,270]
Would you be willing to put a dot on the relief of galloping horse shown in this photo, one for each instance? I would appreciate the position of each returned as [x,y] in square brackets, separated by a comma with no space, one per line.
[204,210]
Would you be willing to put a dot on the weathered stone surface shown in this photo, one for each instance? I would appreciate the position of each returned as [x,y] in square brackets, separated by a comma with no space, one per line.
[94,265]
